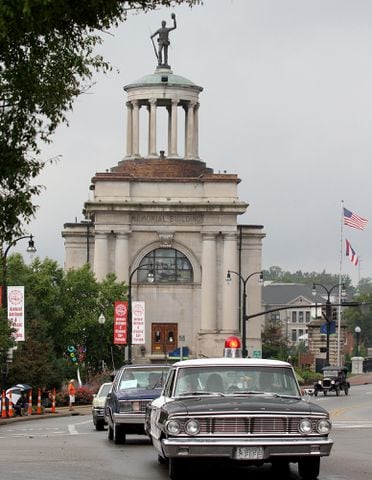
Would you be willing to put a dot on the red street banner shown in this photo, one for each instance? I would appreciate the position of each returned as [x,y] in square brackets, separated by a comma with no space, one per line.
[120,322]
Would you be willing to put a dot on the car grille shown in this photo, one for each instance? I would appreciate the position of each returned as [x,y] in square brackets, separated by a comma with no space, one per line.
[251,425]
[326,383]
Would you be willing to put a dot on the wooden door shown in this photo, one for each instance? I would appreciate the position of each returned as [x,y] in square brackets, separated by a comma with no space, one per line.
[163,337]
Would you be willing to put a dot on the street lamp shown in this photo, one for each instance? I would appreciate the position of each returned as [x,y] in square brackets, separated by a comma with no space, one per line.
[357,334]
[244,314]
[150,279]
[30,249]
[101,321]
[328,313]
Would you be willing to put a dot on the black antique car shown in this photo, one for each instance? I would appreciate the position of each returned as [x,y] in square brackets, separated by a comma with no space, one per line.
[237,410]
[334,380]
[134,386]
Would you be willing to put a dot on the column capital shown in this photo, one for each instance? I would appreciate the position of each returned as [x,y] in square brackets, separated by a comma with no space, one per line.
[153,101]
[191,104]
[129,104]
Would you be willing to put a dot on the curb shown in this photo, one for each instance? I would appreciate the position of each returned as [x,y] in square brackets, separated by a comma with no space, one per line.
[61,412]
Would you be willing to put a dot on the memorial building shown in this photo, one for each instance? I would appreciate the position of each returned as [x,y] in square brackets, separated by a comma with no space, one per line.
[167,213]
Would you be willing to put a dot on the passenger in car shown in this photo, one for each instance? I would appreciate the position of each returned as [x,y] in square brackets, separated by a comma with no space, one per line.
[214,383]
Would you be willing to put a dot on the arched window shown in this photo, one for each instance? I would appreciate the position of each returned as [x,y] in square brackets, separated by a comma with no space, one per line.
[169,266]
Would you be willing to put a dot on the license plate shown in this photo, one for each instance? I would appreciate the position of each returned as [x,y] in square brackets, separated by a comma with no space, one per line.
[249,453]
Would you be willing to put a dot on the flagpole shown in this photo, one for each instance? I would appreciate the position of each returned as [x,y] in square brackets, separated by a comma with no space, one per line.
[339,287]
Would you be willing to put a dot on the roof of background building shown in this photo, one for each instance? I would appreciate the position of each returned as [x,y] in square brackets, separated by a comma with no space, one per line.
[286,293]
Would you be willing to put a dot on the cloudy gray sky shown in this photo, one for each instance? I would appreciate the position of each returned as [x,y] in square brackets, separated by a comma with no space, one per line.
[287,105]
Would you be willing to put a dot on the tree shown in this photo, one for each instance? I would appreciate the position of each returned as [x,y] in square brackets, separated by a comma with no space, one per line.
[47,59]
[274,344]
[61,310]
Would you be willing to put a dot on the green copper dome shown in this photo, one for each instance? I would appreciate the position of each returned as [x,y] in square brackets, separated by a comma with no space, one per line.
[163,77]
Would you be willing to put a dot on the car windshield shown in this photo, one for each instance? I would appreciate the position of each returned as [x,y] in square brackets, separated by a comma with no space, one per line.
[147,378]
[228,380]
[104,390]
[330,373]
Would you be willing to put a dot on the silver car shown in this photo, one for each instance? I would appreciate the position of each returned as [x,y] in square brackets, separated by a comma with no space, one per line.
[98,405]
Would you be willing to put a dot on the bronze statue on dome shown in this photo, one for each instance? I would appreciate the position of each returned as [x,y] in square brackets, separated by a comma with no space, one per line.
[163,42]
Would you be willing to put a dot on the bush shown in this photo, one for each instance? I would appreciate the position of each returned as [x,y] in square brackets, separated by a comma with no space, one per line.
[84,396]
[307,377]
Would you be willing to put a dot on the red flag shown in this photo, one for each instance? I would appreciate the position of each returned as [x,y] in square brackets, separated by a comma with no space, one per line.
[351,253]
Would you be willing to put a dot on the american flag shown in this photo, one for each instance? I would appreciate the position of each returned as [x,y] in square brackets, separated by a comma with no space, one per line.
[353,220]
[351,253]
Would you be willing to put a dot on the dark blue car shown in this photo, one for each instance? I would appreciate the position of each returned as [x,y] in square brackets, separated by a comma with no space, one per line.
[134,386]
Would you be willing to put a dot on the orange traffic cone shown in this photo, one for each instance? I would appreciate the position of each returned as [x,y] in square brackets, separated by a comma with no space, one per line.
[10,408]
[38,409]
[29,411]
[3,405]
[53,409]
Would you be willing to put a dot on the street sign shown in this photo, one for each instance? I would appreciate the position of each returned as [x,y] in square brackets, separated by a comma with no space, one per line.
[256,353]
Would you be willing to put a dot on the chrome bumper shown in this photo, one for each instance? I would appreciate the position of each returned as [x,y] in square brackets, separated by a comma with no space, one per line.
[132,418]
[273,447]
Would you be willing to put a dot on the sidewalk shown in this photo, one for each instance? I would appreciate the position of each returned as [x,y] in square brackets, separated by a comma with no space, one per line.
[60,412]
[361,379]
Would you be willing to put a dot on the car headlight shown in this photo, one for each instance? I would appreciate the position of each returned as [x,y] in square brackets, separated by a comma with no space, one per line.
[323,427]
[333,382]
[173,427]
[305,426]
[192,427]
[319,382]
[125,407]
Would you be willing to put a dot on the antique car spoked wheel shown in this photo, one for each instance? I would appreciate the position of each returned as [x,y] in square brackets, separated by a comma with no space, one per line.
[308,468]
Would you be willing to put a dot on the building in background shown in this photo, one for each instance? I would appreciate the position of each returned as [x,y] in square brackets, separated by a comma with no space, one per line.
[161,205]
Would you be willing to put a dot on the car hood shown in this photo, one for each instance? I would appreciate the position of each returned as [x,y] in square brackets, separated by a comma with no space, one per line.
[99,402]
[138,393]
[257,404]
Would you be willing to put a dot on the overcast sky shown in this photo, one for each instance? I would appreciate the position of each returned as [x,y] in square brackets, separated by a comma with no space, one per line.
[287,105]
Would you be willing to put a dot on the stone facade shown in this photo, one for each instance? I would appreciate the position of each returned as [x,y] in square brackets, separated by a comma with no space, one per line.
[171,201]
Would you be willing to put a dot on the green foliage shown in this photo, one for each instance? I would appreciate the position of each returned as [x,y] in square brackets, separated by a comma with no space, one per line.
[61,309]
[276,274]
[274,344]
[47,59]
[307,377]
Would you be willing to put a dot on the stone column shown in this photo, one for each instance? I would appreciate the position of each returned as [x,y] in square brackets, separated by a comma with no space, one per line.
[209,285]
[152,128]
[169,110]
[196,130]
[230,291]
[135,136]
[173,131]
[101,255]
[129,129]
[190,131]
[122,257]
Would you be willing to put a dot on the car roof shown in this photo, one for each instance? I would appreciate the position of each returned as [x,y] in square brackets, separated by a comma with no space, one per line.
[151,365]
[231,362]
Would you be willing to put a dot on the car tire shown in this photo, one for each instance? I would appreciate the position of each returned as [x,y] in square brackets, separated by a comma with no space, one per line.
[316,392]
[176,469]
[100,425]
[346,390]
[308,468]
[325,392]
[337,390]
[162,460]
[280,468]
[110,433]
[119,435]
